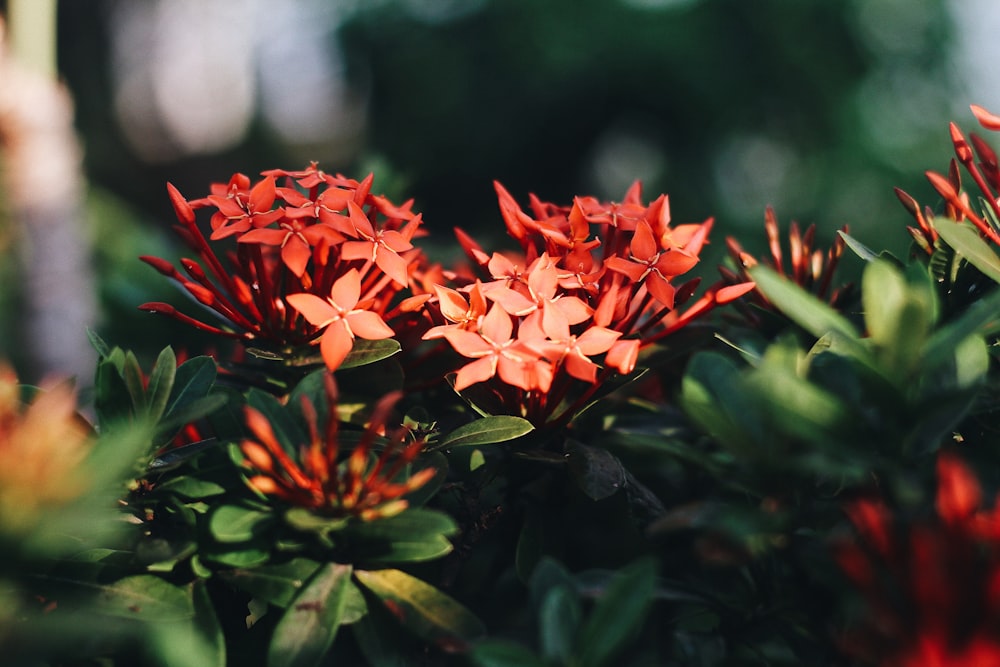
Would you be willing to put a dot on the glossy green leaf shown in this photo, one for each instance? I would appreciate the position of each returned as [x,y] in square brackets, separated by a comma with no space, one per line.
[422,608]
[98,343]
[241,556]
[486,431]
[618,614]
[967,242]
[800,306]
[309,625]
[382,640]
[191,488]
[369,351]
[235,523]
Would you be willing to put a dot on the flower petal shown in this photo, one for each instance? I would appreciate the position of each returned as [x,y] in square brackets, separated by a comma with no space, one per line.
[316,310]
[369,325]
[335,345]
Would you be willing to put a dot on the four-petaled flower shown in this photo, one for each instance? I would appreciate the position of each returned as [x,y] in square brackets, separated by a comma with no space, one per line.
[340,318]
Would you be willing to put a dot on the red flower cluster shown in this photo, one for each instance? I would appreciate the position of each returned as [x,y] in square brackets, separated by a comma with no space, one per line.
[323,260]
[932,587]
[365,485]
[595,284]
[808,266]
[985,174]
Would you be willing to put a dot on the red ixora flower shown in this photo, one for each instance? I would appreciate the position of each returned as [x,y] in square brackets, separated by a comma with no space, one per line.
[343,252]
[367,482]
[932,586]
[985,174]
[595,283]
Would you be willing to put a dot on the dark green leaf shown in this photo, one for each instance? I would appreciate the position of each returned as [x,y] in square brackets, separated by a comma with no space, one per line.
[498,653]
[191,488]
[618,614]
[275,584]
[422,608]
[418,534]
[161,383]
[102,348]
[190,412]
[143,596]
[192,381]
[309,625]
[596,471]
[486,431]
[559,622]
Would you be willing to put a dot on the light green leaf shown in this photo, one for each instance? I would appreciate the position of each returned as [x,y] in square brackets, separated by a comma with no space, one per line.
[966,241]
[235,523]
[799,305]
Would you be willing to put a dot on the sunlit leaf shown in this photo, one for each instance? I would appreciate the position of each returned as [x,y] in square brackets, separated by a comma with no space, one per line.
[276,584]
[309,625]
[422,608]
[800,306]
[967,242]
[486,431]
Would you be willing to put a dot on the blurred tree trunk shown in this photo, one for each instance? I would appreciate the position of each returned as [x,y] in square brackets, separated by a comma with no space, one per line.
[43,186]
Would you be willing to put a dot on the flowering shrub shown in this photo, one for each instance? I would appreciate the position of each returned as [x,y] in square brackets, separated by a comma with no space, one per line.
[376,459]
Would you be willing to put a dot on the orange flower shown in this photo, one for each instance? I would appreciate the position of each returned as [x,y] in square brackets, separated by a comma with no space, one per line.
[338,316]
[359,485]
[42,447]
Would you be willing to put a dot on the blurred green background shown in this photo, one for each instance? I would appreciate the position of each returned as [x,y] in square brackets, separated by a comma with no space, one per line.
[817,107]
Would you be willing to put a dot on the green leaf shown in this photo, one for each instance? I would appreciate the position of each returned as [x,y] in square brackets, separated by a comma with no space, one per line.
[860,249]
[559,623]
[422,608]
[240,556]
[191,488]
[161,383]
[132,374]
[275,584]
[966,241]
[143,596]
[975,319]
[486,431]
[499,653]
[799,305]
[418,534]
[369,351]
[191,411]
[713,397]
[206,625]
[102,348]
[192,381]
[618,614]
[308,627]
[235,523]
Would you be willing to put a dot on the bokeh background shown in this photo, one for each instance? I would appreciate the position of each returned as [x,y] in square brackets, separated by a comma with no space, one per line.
[817,107]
